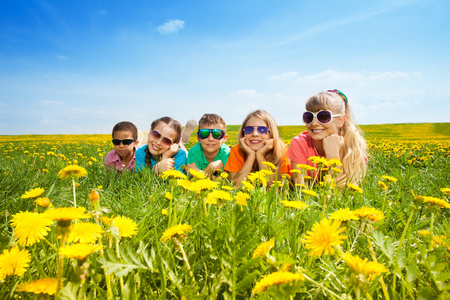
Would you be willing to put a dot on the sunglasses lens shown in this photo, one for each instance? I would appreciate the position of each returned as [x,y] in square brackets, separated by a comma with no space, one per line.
[166,141]
[324,117]
[308,117]
[248,130]
[217,134]
[263,129]
[127,141]
[203,133]
[155,135]
[116,142]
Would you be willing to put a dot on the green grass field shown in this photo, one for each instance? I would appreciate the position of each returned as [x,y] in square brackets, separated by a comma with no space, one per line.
[230,243]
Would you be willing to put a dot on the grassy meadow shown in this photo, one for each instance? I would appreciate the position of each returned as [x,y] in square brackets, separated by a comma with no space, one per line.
[142,236]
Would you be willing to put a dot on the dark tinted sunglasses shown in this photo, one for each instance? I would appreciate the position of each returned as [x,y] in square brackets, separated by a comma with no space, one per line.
[165,140]
[125,142]
[216,133]
[261,129]
[323,116]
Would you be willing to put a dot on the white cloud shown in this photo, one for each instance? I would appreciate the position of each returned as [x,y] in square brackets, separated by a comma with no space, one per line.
[62,57]
[247,94]
[284,76]
[52,103]
[172,26]
[361,78]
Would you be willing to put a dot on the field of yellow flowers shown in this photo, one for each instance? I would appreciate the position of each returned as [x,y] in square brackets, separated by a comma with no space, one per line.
[72,230]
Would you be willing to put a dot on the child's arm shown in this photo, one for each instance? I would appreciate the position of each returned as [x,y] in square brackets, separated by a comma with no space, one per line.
[213,167]
[248,164]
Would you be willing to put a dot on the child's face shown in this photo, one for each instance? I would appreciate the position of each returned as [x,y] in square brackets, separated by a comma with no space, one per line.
[157,146]
[319,131]
[255,140]
[210,145]
[121,149]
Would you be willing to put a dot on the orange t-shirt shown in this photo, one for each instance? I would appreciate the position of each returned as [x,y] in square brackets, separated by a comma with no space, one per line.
[236,161]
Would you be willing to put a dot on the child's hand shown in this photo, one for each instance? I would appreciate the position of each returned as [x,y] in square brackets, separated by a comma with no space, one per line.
[332,145]
[268,145]
[165,165]
[173,149]
[243,145]
[212,167]
[193,166]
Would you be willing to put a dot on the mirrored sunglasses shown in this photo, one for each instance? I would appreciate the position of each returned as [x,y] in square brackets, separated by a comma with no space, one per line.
[156,135]
[125,142]
[216,133]
[261,129]
[323,116]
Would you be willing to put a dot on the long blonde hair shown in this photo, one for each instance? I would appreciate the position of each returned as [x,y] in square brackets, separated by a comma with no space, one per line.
[275,155]
[353,154]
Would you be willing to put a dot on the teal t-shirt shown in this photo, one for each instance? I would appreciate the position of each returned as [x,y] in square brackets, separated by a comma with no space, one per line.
[197,155]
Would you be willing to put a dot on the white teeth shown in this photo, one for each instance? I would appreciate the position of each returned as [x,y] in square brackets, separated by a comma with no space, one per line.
[316,130]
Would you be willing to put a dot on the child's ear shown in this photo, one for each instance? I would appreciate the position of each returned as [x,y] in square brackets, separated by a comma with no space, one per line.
[225,138]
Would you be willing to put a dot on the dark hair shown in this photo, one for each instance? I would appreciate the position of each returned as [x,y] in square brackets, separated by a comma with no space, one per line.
[126,126]
[170,122]
[211,119]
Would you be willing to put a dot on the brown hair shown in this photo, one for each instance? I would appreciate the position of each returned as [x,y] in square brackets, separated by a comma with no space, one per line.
[211,119]
[174,124]
[126,126]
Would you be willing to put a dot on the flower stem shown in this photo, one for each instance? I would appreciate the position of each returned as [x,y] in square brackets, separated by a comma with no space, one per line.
[180,246]
[400,246]
[383,285]
[60,266]
[431,230]
[321,286]
[74,195]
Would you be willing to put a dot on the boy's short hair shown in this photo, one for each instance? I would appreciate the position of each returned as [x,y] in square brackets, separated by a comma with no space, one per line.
[126,126]
[210,119]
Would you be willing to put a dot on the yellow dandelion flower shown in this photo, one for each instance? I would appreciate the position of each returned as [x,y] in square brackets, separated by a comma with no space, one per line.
[436,201]
[301,185]
[34,193]
[79,251]
[439,242]
[323,237]
[259,176]
[306,167]
[389,178]
[42,201]
[107,220]
[205,184]
[424,232]
[173,173]
[175,231]
[197,174]
[319,160]
[218,195]
[363,267]
[307,177]
[168,195]
[264,248]
[247,185]
[83,232]
[126,226]
[14,262]
[355,188]
[241,198]
[164,212]
[44,171]
[446,191]
[270,165]
[337,170]
[226,187]
[309,192]
[224,175]
[344,214]
[41,286]
[66,214]
[295,204]
[370,213]
[382,185]
[296,171]
[30,228]
[72,172]
[335,162]
[185,183]
[275,279]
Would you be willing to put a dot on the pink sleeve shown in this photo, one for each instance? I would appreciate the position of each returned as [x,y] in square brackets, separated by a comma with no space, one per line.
[301,149]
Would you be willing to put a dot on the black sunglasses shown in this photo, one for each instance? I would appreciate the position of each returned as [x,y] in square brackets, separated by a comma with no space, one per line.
[216,133]
[125,142]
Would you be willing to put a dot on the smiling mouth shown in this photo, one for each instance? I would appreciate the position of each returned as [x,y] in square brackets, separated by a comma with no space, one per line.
[155,148]
[317,130]
[255,142]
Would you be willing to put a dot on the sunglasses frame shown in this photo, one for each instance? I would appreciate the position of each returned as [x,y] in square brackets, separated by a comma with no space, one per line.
[257,129]
[116,142]
[211,132]
[155,133]
[315,116]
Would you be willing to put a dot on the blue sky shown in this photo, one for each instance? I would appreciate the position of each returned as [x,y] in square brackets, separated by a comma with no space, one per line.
[75,67]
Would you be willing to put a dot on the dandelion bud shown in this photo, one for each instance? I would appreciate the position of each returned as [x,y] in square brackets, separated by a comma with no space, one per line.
[94,196]
[42,202]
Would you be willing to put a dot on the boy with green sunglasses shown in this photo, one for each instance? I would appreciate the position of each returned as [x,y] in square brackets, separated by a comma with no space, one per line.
[210,153]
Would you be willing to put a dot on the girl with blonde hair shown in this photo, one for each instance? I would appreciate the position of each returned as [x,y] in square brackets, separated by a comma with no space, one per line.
[259,141]
[330,133]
